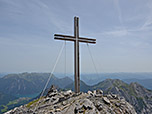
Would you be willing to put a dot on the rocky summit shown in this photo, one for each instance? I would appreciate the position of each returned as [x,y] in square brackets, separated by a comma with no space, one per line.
[68,102]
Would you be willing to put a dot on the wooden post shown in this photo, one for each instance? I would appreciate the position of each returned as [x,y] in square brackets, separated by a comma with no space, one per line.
[76,55]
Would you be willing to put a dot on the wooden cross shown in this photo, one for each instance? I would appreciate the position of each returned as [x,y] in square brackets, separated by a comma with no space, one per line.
[76,39]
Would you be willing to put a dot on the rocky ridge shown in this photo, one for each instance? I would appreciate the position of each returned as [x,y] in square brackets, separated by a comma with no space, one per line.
[68,102]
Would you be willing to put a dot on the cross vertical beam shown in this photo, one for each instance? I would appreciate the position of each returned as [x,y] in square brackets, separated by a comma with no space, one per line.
[76,55]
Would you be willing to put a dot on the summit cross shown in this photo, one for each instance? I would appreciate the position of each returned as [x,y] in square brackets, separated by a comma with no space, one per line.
[76,39]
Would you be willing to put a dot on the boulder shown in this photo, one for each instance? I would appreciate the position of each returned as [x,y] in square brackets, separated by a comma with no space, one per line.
[98,91]
[106,100]
[90,93]
[67,93]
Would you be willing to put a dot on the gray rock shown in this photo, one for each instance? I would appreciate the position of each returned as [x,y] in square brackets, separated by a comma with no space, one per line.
[67,93]
[117,104]
[98,91]
[99,106]
[47,99]
[90,93]
[109,96]
[106,100]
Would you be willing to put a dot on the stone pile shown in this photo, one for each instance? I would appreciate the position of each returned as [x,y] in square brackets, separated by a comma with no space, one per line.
[68,102]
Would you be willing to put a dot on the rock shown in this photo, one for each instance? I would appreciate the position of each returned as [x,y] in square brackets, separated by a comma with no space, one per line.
[99,106]
[47,99]
[94,92]
[55,106]
[117,104]
[86,107]
[109,96]
[62,99]
[54,100]
[57,110]
[90,93]
[63,103]
[52,89]
[98,91]
[87,104]
[106,100]
[123,102]
[67,93]
[52,94]
[114,96]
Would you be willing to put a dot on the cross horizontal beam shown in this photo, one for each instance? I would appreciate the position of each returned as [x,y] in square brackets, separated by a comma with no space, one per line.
[72,38]
[60,35]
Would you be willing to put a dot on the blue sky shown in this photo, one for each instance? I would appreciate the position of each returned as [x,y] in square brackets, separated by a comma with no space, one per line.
[123,29]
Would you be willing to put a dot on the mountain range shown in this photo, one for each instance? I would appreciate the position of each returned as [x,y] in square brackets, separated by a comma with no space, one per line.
[29,85]
[143,78]
[92,79]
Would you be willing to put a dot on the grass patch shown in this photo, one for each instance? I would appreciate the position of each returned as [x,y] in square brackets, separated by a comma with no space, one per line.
[83,110]
[12,102]
[5,108]
[33,102]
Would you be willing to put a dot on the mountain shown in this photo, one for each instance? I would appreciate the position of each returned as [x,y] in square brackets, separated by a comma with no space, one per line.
[147,83]
[24,84]
[68,102]
[134,93]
